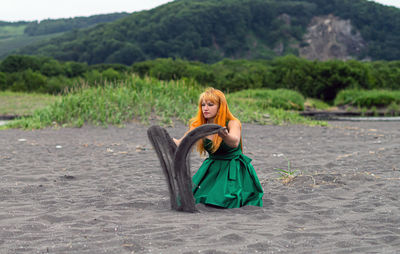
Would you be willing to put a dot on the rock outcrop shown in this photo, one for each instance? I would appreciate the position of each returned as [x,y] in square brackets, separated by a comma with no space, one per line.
[329,37]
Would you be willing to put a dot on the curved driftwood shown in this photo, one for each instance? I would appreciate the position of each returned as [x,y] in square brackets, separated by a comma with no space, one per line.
[165,149]
[175,162]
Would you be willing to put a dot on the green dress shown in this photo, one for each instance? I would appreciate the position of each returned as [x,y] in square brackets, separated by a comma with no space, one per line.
[227,179]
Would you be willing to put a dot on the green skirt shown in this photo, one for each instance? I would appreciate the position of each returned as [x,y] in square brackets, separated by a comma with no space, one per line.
[228,181]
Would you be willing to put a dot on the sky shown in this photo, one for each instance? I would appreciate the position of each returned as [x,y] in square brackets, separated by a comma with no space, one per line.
[30,10]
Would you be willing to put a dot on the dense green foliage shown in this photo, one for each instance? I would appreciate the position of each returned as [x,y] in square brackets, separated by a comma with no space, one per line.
[322,80]
[210,30]
[314,79]
[46,75]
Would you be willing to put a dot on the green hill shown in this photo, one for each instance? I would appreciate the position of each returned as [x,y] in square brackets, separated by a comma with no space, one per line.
[210,30]
[16,35]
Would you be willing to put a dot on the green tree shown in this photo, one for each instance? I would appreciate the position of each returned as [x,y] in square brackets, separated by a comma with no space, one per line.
[126,55]
[52,68]
[111,75]
[29,81]
[16,63]
[74,69]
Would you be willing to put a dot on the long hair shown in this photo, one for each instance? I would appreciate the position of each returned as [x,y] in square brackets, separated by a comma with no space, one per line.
[223,115]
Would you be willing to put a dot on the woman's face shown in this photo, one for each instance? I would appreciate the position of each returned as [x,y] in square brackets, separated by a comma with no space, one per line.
[209,109]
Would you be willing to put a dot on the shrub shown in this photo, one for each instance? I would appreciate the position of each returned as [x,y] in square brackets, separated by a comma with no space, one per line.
[93,77]
[18,63]
[29,81]
[375,99]
[56,85]
[316,104]
[75,69]
[346,97]
[111,75]
[266,98]
[367,98]
[52,68]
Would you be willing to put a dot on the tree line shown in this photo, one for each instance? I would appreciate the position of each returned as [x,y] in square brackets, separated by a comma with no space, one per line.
[315,79]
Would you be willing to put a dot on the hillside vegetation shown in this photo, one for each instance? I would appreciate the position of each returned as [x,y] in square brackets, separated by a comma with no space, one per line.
[16,35]
[210,30]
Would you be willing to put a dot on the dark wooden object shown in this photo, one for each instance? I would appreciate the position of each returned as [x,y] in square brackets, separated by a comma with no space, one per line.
[175,162]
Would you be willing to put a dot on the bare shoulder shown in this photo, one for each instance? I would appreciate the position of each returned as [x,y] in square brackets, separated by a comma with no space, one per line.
[235,124]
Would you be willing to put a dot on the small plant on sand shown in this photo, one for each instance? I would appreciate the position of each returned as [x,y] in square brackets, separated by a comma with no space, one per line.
[287,175]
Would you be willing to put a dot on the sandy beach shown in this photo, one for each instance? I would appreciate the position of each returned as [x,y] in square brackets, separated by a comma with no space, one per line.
[101,190]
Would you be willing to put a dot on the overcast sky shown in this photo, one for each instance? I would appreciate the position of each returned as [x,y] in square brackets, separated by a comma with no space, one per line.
[29,10]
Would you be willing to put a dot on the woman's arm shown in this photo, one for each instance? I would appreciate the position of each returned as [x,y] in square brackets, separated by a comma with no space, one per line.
[231,136]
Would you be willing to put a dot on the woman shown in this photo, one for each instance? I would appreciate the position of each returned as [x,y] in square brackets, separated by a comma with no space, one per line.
[226,178]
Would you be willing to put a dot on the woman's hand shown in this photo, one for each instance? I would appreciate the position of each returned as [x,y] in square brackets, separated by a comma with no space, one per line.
[223,132]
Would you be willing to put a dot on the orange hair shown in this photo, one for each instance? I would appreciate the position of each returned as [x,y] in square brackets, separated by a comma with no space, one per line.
[223,115]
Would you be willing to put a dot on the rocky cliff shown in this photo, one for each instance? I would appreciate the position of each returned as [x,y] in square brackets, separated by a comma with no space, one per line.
[329,37]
